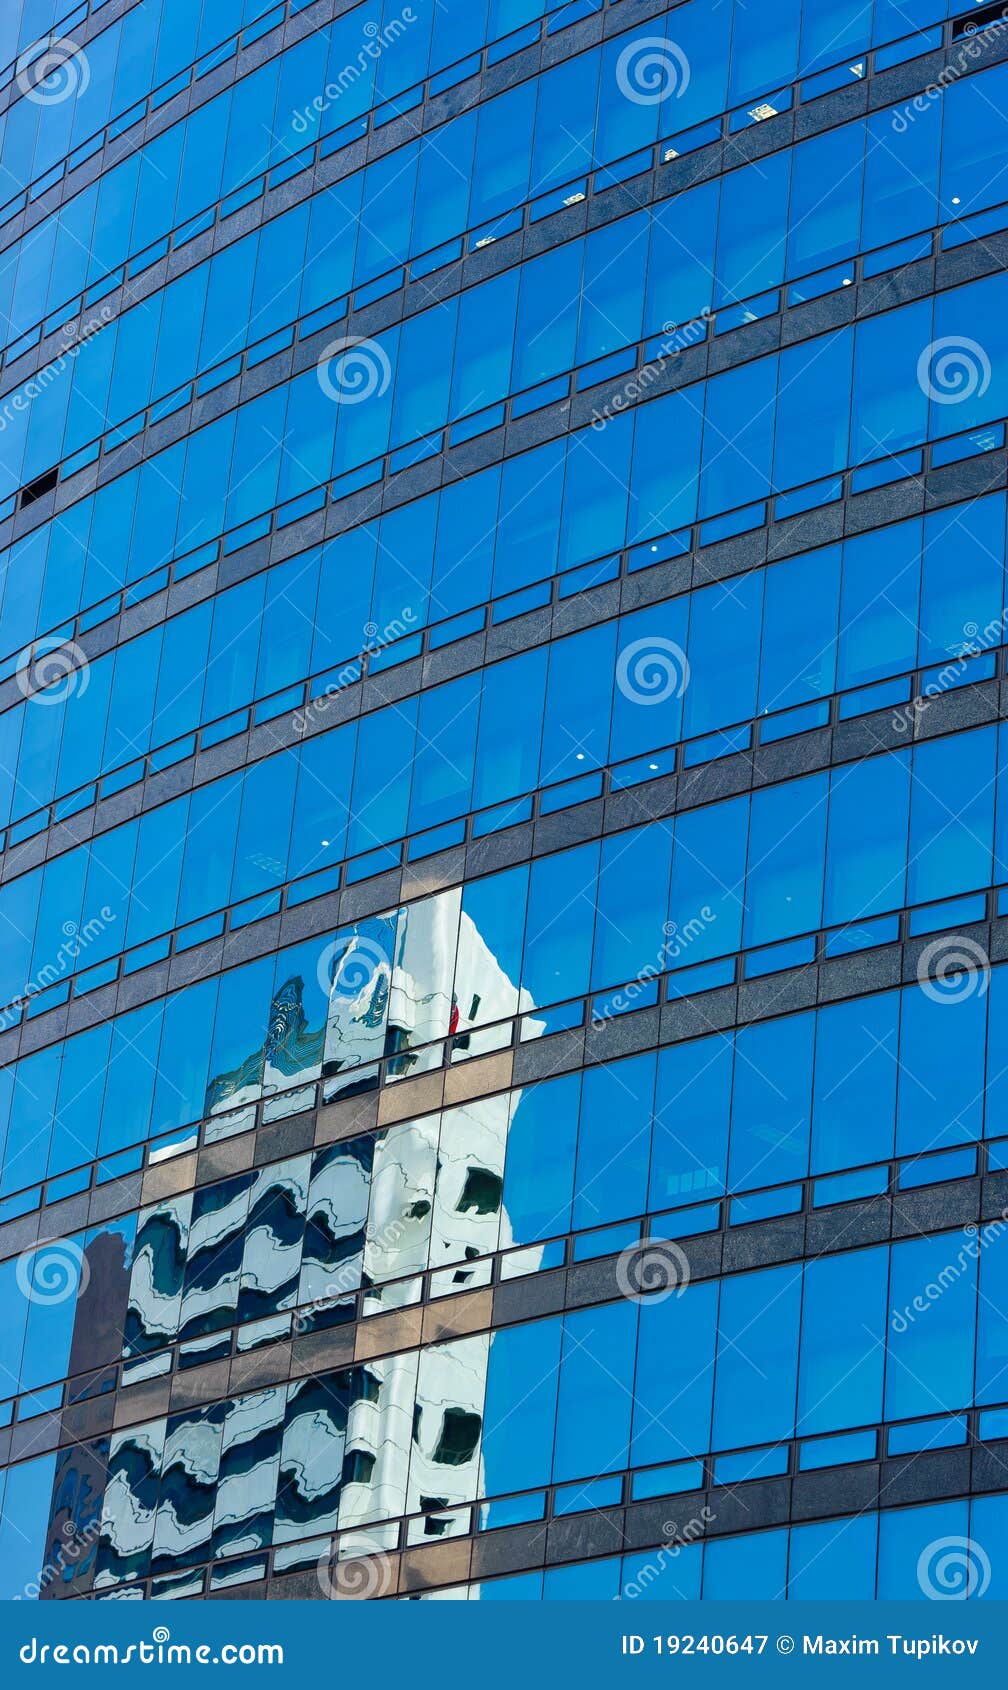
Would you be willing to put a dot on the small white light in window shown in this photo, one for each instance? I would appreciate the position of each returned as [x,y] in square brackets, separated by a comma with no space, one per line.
[848,281]
[487,240]
[652,765]
[325,843]
[670,154]
[580,756]
[760,112]
[956,200]
[858,69]
[574,199]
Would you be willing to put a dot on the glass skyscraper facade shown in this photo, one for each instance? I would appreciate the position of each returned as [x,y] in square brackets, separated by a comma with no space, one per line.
[504,861]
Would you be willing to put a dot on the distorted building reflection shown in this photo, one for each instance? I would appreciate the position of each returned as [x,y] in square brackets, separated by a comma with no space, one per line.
[359,1445]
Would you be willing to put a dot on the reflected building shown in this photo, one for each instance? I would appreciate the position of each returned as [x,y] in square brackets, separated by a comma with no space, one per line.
[503,794]
[352,1450]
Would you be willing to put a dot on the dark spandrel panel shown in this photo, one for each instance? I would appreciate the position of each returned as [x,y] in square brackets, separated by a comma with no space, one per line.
[249,1464]
[75,1521]
[214,1259]
[189,1471]
[103,1297]
[312,1457]
[274,1233]
[92,1385]
[129,1508]
[155,1296]
[337,1211]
